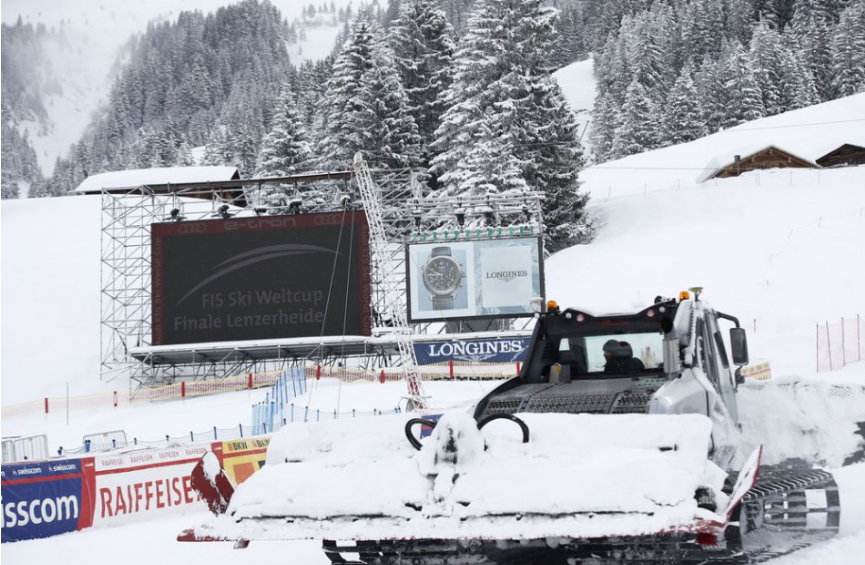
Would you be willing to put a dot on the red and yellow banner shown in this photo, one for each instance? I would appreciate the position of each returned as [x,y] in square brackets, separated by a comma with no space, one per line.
[241,457]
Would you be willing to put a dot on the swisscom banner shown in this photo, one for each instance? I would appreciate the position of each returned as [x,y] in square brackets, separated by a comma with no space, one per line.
[473,279]
[46,499]
[261,277]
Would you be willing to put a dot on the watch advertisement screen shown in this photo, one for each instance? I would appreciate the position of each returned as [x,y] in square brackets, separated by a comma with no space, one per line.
[267,277]
[473,279]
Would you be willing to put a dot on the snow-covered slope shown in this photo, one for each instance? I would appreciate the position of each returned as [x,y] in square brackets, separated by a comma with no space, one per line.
[578,85]
[95,31]
[809,133]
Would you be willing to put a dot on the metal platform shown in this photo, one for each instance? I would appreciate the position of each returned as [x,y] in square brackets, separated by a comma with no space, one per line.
[384,344]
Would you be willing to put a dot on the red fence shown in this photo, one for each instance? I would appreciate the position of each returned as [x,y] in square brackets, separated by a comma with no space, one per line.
[840,343]
[190,389]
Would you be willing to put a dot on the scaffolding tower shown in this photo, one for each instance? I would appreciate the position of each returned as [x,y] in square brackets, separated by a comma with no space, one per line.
[407,214]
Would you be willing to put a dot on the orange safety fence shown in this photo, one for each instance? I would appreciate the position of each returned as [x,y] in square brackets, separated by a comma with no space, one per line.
[455,370]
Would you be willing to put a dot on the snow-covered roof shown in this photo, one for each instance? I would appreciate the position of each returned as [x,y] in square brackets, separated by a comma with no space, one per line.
[728,157]
[165,175]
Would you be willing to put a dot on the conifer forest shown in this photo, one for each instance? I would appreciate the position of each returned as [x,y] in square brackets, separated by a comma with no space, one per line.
[459,89]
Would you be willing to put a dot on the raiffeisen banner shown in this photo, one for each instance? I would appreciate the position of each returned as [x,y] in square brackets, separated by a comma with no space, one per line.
[140,484]
[50,498]
[46,499]
[453,280]
[496,350]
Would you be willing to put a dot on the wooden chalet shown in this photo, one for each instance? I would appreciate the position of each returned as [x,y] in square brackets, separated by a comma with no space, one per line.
[845,156]
[770,157]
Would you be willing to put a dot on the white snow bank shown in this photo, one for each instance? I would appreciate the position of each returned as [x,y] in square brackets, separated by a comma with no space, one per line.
[369,469]
[802,419]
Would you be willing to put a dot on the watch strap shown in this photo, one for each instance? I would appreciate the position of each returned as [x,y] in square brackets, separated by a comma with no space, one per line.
[443,303]
[440,252]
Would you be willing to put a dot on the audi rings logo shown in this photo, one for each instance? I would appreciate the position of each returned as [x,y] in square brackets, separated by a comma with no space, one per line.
[328,220]
[191,227]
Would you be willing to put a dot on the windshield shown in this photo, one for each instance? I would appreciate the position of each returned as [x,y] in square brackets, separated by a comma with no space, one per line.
[612,353]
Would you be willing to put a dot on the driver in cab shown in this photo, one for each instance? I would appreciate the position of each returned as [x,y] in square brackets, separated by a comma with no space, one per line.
[620,359]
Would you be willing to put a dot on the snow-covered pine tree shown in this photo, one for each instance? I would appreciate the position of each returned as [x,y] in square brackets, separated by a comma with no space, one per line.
[490,166]
[574,45]
[217,151]
[703,29]
[499,57]
[553,159]
[737,20]
[683,119]
[638,131]
[504,107]
[423,43]
[812,30]
[365,106]
[244,142]
[8,186]
[354,59]
[745,102]
[797,83]
[607,118]
[285,150]
[458,13]
[848,51]
[382,126]
[765,56]
[712,91]
[610,65]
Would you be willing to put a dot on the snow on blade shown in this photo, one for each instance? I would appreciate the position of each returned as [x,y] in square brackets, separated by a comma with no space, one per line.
[580,475]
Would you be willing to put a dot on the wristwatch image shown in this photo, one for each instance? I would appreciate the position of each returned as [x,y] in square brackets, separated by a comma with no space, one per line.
[442,277]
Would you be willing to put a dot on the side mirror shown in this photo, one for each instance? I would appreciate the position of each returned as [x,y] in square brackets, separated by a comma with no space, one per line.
[739,345]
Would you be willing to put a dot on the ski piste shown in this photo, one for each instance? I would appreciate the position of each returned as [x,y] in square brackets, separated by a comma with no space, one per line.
[526,475]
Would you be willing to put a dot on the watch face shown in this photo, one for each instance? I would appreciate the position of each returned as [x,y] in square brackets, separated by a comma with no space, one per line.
[442,275]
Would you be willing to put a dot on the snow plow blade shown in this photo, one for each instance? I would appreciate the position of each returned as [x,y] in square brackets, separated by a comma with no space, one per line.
[364,481]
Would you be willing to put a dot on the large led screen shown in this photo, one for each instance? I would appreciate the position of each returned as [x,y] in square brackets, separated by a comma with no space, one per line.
[473,278]
[239,279]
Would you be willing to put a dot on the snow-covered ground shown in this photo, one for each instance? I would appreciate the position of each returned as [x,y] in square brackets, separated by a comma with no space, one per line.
[808,133]
[782,253]
[578,84]
[95,31]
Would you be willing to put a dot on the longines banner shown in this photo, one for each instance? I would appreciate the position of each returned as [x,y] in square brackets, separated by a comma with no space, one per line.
[261,277]
[496,350]
[473,279]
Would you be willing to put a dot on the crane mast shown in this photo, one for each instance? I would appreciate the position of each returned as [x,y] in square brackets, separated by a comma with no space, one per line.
[392,292]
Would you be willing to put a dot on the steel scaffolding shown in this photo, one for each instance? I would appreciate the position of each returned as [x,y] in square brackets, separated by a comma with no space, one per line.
[128,213]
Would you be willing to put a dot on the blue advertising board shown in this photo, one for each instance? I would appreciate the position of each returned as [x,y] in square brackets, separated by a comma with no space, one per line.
[493,350]
[45,499]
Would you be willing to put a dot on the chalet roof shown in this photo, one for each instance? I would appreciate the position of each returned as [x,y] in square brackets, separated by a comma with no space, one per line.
[728,157]
[837,148]
[157,176]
